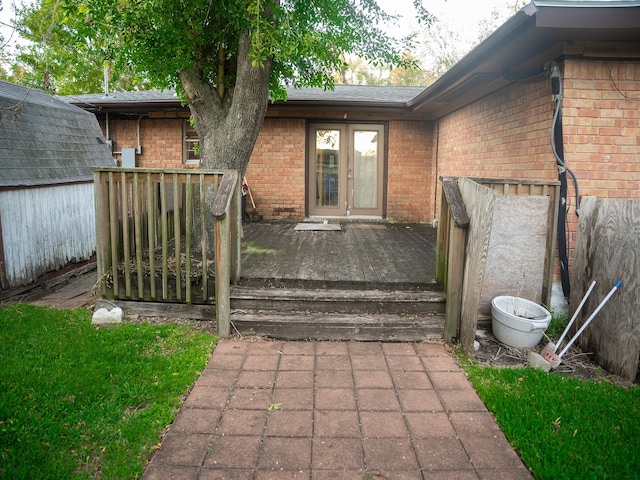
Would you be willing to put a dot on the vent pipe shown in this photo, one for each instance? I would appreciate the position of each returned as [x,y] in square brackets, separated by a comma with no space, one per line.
[106,81]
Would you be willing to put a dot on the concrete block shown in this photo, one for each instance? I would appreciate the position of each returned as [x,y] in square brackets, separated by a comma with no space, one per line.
[102,316]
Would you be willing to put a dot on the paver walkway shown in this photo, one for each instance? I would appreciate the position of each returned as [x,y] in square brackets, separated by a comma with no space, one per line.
[333,410]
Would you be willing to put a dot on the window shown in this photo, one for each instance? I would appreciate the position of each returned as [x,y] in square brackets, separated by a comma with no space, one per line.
[190,143]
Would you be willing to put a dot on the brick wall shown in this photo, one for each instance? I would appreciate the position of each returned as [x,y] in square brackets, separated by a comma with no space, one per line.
[503,135]
[411,169]
[276,171]
[601,126]
[161,140]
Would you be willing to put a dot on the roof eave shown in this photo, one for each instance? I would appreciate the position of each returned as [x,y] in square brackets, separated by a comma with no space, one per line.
[587,14]
[127,106]
[474,57]
[556,23]
[339,103]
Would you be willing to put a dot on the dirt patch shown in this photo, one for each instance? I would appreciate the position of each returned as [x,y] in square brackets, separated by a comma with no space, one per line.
[199,325]
[575,362]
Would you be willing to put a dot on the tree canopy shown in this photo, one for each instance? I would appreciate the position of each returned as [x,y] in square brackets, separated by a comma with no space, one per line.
[225,57]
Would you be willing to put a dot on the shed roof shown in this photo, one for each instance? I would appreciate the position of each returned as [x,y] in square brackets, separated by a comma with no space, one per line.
[45,141]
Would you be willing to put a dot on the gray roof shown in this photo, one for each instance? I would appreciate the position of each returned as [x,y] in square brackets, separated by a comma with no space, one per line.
[45,141]
[355,93]
[89,100]
[342,94]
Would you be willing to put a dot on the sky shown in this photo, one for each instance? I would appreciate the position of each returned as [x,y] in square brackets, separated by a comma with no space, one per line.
[462,16]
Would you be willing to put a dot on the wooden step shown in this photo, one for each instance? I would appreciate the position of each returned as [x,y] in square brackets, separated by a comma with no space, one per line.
[333,326]
[338,300]
[319,313]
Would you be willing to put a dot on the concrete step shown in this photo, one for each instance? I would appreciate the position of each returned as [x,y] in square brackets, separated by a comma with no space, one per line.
[334,326]
[338,300]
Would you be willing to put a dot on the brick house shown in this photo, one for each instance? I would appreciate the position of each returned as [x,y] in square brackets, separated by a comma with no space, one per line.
[490,115]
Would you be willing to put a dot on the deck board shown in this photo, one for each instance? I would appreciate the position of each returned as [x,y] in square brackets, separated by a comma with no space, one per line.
[360,252]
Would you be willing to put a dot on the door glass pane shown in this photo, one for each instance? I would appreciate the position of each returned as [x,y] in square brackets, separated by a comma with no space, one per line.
[327,167]
[365,169]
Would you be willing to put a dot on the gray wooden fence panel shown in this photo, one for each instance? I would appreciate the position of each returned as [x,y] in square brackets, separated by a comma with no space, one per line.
[608,250]
[479,202]
[45,229]
[516,254]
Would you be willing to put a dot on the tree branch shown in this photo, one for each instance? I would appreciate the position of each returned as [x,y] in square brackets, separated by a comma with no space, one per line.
[222,53]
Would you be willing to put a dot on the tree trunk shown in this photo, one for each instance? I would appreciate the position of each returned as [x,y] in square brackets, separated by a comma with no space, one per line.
[228,125]
[228,122]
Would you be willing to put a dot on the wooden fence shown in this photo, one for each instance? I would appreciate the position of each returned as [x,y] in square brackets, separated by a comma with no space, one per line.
[608,250]
[464,230]
[168,236]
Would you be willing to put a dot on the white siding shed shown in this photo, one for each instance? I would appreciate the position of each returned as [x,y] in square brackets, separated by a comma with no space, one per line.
[47,218]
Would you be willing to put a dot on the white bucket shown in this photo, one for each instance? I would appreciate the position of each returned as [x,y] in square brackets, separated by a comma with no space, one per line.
[518,322]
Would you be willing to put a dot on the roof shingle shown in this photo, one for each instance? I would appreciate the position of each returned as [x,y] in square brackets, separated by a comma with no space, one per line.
[45,141]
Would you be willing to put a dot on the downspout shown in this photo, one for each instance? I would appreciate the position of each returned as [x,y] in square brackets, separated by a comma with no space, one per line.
[558,152]
[139,148]
[435,186]
[106,123]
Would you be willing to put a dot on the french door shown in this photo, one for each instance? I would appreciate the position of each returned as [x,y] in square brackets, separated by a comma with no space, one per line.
[346,169]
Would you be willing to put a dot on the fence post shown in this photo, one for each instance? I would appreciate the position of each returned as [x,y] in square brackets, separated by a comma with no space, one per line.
[550,250]
[222,265]
[454,256]
[235,212]
[442,241]
[222,226]
[102,227]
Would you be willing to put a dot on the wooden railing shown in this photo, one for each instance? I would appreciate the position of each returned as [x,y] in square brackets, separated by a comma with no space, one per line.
[450,254]
[461,250]
[169,236]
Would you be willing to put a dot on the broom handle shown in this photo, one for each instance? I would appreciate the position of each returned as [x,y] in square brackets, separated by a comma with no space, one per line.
[595,312]
[253,204]
[573,319]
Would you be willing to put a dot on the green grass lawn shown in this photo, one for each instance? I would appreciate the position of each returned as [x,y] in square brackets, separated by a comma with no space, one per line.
[562,427]
[79,401]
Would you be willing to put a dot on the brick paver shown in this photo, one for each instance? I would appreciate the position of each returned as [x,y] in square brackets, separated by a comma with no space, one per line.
[333,410]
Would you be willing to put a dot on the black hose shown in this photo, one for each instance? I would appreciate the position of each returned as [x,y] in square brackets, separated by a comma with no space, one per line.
[558,151]
[562,237]
[556,140]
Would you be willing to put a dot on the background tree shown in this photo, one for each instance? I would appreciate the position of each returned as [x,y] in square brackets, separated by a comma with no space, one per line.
[56,59]
[358,71]
[498,16]
[441,50]
[442,46]
[4,58]
[226,58]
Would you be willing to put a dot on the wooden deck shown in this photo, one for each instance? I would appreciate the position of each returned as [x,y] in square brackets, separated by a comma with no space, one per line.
[365,253]
[368,281]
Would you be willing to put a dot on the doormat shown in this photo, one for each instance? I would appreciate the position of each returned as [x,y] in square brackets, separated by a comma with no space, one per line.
[318,227]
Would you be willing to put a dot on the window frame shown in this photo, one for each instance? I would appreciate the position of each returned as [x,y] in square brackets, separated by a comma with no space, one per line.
[189,139]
